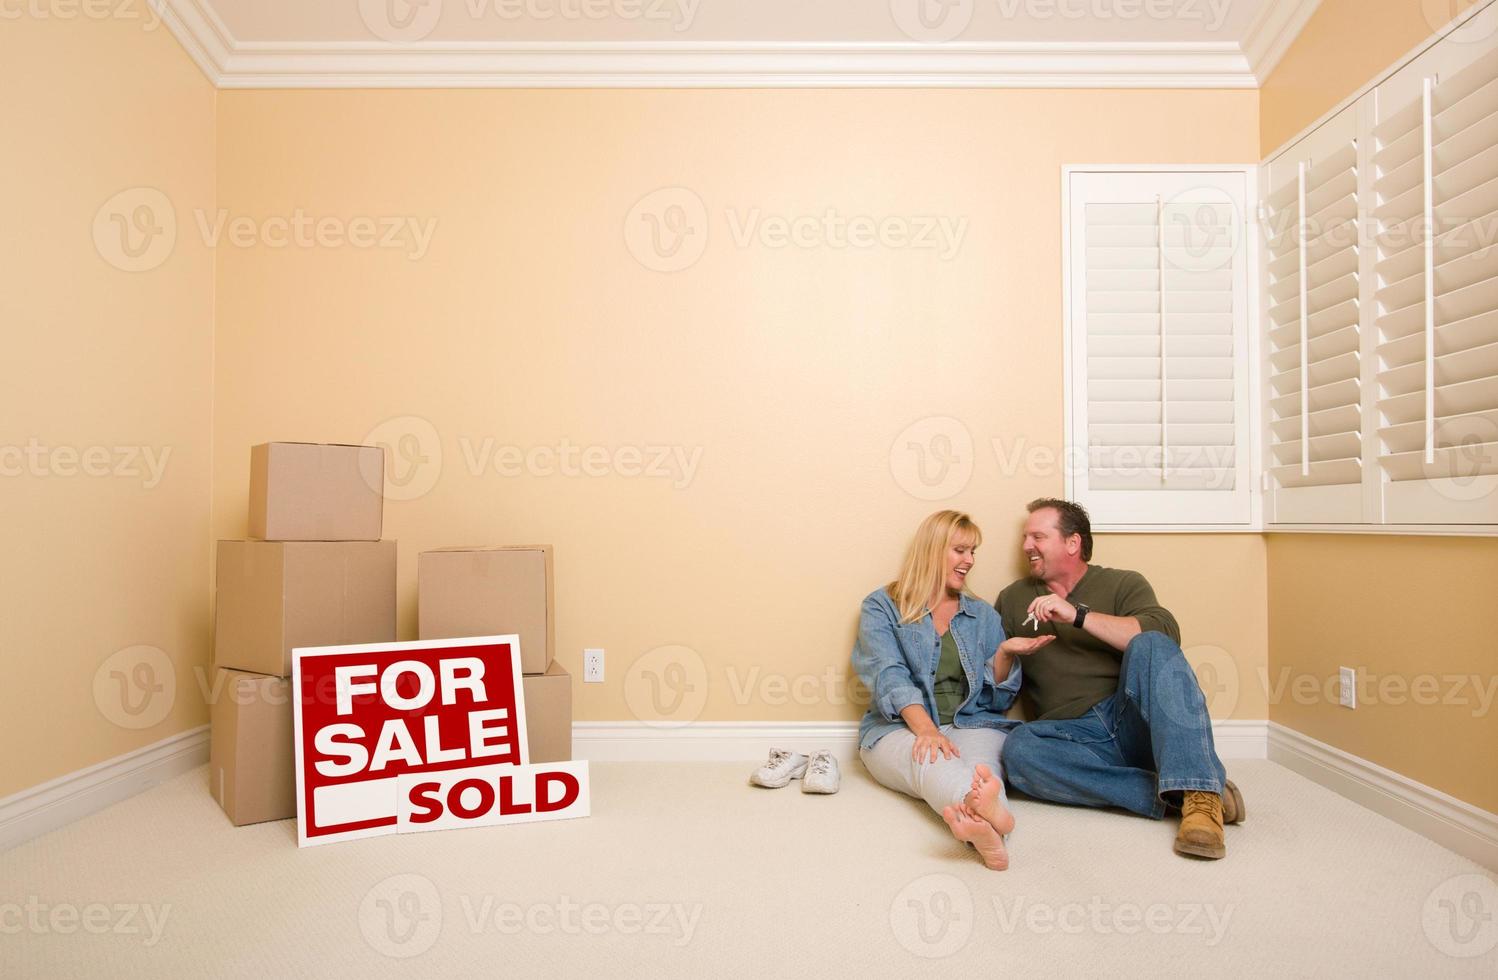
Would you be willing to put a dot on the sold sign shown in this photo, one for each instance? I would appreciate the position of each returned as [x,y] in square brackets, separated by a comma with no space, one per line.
[428,735]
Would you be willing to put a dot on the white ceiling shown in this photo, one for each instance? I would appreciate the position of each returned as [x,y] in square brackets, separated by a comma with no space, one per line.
[646,43]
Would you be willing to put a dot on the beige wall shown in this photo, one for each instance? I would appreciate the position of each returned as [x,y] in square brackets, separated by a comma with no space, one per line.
[1415,617]
[793,371]
[1344,45]
[97,561]
[1401,610]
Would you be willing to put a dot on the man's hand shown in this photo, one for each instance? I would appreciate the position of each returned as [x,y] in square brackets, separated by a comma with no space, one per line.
[1052,609]
[1022,646]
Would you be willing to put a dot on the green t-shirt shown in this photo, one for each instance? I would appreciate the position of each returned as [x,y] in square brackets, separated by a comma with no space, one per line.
[1070,675]
[951,682]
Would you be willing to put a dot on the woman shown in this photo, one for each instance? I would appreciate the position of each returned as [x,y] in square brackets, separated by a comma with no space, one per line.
[928,651]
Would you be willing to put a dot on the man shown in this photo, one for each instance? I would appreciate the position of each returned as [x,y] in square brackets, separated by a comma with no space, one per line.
[1118,717]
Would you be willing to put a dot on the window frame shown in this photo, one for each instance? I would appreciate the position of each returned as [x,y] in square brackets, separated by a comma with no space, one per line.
[1245,361]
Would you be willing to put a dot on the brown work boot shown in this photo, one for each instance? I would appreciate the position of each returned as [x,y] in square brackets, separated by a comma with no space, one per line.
[1233,810]
[1201,825]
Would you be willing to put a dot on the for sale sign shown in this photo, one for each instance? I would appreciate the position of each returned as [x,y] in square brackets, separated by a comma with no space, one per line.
[427,735]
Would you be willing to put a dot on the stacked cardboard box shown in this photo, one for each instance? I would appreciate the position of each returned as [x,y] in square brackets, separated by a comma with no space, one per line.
[491,591]
[314,574]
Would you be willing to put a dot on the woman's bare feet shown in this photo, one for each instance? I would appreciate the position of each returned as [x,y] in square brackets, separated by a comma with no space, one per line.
[987,800]
[975,830]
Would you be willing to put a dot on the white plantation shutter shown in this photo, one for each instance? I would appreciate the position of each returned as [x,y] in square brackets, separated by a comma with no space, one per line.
[1381,358]
[1436,262]
[1313,325]
[1158,410]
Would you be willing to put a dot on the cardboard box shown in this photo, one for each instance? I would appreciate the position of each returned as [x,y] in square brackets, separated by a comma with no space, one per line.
[548,714]
[251,763]
[488,592]
[302,491]
[274,596]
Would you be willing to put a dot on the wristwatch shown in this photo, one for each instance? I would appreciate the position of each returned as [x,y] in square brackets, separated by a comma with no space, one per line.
[1082,610]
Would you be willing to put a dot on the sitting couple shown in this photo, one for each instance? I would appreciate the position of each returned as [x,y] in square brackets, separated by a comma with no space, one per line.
[1119,719]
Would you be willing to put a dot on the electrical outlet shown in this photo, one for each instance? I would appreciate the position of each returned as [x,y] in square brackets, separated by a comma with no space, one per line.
[1348,695]
[593,666]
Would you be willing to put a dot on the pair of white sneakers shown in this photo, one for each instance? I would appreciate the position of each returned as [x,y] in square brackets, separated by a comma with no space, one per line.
[818,772]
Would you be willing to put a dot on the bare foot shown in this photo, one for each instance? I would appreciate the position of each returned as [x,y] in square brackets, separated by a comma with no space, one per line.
[987,800]
[969,827]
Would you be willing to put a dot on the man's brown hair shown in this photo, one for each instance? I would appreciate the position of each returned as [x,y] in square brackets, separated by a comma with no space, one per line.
[1071,518]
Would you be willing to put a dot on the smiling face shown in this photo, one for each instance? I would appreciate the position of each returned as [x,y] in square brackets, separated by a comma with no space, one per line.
[961,554]
[1050,555]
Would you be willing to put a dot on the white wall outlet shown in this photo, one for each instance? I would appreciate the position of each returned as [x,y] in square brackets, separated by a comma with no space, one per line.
[1348,695]
[593,666]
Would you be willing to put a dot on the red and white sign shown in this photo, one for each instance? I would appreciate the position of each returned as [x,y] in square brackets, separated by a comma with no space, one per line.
[427,735]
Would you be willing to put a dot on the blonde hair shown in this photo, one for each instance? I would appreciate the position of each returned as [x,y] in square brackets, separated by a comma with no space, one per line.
[923,573]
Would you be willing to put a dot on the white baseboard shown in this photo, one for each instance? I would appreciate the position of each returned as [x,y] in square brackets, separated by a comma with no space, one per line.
[750,741]
[58,802]
[1456,825]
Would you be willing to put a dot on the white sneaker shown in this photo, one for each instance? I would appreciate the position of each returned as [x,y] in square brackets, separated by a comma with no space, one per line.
[781,768]
[822,774]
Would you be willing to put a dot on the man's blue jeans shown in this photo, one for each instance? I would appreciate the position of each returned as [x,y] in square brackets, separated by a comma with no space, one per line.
[1151,737]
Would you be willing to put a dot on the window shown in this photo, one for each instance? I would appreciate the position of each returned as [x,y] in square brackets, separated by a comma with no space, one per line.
[1379,287]
[1157,367]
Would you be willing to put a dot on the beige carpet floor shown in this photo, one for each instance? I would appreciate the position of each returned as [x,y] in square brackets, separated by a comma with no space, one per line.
[687,871]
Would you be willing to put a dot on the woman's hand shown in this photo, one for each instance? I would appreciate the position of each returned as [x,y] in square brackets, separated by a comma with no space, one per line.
[928,747]
[1023,646]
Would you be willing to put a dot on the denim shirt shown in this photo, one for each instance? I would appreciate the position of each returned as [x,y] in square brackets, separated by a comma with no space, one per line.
[897,663]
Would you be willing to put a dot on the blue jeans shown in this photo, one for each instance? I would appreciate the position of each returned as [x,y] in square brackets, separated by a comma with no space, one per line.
[1151,737]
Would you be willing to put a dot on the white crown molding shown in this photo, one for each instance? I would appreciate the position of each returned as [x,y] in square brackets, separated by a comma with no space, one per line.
[293,64]
[1272,32]
[1454,824]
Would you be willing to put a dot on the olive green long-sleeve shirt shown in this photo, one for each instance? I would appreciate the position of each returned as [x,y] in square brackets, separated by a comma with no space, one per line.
[1067,677]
